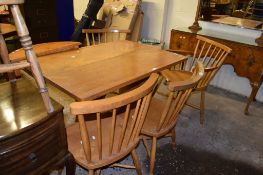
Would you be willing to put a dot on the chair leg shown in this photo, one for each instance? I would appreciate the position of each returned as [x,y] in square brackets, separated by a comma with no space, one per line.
[144,141]
[153,153]
[90,172]
[202,107]
[173,138]
[136,162]
[97,172]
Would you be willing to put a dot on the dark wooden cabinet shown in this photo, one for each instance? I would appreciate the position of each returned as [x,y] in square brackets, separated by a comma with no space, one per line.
[246,56]
[31,140]
[49,20]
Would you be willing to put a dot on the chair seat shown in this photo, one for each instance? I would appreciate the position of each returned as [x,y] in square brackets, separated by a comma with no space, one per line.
[76,148]
[176,75]
[153,119]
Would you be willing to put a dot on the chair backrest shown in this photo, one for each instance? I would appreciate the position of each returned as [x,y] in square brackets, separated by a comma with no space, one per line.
[119,120]
[97,36]
[179,91]
[26,43]
[212,54]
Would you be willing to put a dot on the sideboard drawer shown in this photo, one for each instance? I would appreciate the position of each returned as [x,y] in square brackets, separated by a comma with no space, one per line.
[182,41]
[33,148]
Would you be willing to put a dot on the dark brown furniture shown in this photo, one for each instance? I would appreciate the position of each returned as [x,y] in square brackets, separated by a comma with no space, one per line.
[49,20]
[246,56]
[31,140]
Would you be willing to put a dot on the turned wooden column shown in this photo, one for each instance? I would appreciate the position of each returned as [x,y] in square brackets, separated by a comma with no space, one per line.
[26,43]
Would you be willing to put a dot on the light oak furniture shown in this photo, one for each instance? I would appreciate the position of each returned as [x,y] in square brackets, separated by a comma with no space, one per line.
[162,116]
[32,141]
[7,30]
[26,43]
[212,54]
[44,49]
[97,36]
[246,56]
[93,71]
[112,127]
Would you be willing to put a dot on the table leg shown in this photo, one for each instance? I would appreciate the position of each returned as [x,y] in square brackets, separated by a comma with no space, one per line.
[70,165]
[255,88]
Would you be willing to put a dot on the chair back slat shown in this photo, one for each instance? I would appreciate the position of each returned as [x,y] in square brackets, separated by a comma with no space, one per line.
[85,137]
[112,133]
[178,107]
[200,56]
[118,121]
[178,95]
[124,126]
[96,35]
[134,117]
[211,54]
[166,110]
[207,53]
[99,138]
[143,112]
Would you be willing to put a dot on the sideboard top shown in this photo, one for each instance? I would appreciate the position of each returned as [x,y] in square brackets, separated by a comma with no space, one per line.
[21,107]
[222,35]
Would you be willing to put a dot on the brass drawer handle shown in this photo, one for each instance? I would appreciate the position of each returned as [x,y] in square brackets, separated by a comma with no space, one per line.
[32,157]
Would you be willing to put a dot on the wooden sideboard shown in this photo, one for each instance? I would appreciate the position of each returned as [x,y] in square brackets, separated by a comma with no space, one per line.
[246,57]
[31,140]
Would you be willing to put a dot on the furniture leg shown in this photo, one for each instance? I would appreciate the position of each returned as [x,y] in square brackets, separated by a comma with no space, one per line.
[144,141]
[90,172]
[153,153]
[70,165]
[97,172]
[255,88]
[136,162]
[26,42]
[5,57]
[202,107]
[173,134]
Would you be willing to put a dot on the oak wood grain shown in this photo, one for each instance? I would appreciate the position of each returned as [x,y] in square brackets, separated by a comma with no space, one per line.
[93,71]
[44,49]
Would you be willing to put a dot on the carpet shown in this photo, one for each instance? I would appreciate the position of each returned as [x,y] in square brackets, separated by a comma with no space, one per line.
[187,161]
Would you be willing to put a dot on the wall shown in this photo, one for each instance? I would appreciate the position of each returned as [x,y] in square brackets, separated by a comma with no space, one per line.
[79,8]
[181,14]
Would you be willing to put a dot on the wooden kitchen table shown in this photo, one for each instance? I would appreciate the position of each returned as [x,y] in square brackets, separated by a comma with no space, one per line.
[90,72]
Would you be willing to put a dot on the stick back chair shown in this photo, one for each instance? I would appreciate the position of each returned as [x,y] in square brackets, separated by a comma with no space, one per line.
[112,127]
[26,43]
[97,36]
[162,116]
[212,54]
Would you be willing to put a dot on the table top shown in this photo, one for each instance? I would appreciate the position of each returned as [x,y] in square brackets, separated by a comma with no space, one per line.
[6,29]
[241,22]
[90,72]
